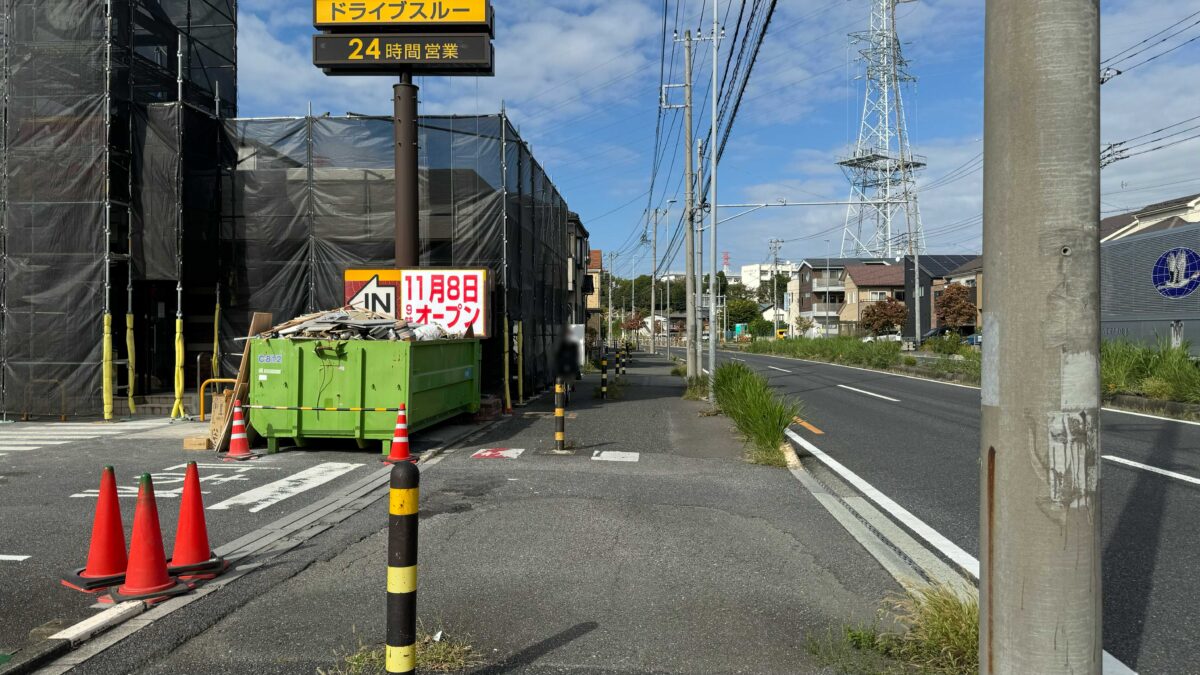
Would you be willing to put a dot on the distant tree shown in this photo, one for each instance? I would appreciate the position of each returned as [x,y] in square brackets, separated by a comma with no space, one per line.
[884,317]
[954,308]
[779,287]
[804,324]
[738,292]
[760,327]
[634,321]
[742,311]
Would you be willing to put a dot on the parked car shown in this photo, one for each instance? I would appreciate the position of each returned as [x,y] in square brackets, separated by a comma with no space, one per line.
[886,337]
[974,340]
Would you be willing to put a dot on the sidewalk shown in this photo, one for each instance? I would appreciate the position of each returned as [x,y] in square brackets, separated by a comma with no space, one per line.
[681,559]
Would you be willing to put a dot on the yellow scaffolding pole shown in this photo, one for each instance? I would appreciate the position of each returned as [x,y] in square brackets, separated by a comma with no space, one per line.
[177,410]
[132,360]
[108,368]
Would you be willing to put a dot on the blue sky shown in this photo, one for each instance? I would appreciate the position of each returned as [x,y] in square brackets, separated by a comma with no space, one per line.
[580,79]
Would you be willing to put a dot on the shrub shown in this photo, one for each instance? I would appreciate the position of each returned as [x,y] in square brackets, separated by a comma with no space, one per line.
[949,345]
[759,413]
[697,388]
[845,350]
[1161,372]
[910,361]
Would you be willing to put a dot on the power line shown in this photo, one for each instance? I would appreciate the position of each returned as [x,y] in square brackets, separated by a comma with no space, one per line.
[1110,60]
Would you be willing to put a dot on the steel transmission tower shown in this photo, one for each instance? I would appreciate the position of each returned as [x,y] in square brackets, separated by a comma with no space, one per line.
[882,168]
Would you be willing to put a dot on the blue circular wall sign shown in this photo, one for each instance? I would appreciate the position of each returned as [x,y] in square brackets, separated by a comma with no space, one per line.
[1177,273]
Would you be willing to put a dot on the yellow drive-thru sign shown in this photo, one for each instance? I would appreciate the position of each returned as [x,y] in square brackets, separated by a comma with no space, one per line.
[400,13]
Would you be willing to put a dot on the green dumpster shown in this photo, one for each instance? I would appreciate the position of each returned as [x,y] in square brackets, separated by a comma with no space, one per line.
[435,380]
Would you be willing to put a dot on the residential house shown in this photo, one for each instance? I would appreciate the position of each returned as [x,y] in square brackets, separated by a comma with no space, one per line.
[595,308]
[933,266]
[866,285]
[818,292]
[580,285]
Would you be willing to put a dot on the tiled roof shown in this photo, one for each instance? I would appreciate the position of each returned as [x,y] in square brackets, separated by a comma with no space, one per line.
[876,275]
[1113,223]
[596,260]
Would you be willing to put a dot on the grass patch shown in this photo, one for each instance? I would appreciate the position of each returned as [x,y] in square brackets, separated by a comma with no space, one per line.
[697,388]
[936,633]
[679,371]
[1163,372]
[760,414]
[443,655]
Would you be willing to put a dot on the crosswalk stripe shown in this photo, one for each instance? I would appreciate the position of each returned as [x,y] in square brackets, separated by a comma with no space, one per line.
[272,493]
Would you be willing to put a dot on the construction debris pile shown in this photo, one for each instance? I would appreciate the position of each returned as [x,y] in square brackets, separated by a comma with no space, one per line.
[352,323]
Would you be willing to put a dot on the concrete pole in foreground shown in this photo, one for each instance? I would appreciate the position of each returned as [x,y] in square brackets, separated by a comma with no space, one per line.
[1040,583]
[689,217]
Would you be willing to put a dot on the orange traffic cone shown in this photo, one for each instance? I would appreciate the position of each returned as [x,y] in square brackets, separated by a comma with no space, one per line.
[147,578]
[193,558]
[106,555]
[400,439]
[239,446]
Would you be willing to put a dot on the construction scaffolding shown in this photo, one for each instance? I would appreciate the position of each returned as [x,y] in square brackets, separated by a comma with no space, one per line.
[310,197]
[101,213]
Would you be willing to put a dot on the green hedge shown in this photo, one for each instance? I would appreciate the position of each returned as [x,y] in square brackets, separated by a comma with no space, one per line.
[846,350]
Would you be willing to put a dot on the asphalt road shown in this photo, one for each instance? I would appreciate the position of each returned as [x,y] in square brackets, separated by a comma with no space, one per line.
[918,442]
[49,475]
[652,548]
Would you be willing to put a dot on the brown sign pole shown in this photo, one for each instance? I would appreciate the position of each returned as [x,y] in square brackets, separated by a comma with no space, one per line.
[408,207]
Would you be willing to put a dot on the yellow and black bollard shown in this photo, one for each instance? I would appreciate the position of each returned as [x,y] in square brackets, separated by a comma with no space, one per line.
[604,376]
[401,651]
[560,417]
[624,361]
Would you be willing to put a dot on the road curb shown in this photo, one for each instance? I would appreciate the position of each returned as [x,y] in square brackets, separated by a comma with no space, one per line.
[28,659]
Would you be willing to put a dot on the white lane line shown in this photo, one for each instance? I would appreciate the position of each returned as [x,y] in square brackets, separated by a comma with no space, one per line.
[734,358]
[272,493]
[56,434]
[13,558]
[615,456]
[1153,469]
[25,442]
[968,562]
[18,448]
[933,537]
[868,393]
[1153,417]
[780,370]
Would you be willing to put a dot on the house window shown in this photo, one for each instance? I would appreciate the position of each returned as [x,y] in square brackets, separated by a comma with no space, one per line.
[878,296]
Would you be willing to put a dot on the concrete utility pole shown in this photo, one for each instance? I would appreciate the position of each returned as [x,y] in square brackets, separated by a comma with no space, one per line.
[653,284]
[712,233]
[612,261]
[692,334]
[775,245]
[1040,582]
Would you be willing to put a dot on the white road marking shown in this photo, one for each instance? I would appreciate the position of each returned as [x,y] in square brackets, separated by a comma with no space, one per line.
[272,493]
[860,391]
[238,468]
[24,442]
[615,456]
[965,560]
[1153,469]
[780,370]
[933,537]
[18,448]
[13,558]
[1153,417]
[734,358]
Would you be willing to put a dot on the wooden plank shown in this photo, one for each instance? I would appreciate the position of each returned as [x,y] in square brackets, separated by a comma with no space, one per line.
[259,323]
